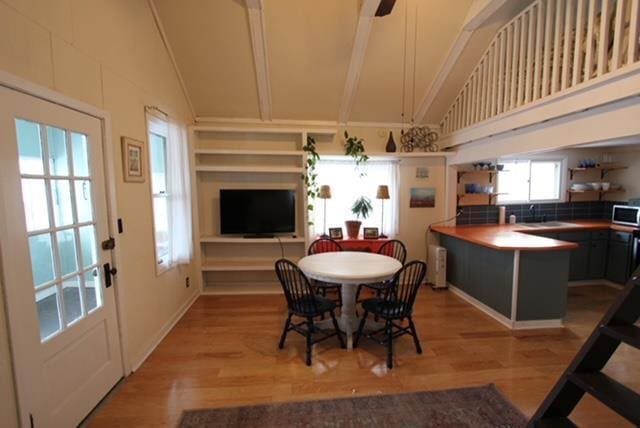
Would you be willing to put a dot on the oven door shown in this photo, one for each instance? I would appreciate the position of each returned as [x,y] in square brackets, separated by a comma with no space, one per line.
[623,214]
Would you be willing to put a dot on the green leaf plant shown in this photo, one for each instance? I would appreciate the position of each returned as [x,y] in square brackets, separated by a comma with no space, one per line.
[310,176]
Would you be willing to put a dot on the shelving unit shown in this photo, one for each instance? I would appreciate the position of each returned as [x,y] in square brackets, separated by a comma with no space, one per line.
[246,158]
[490,196]
[600,193]
[603,170]
[490,173]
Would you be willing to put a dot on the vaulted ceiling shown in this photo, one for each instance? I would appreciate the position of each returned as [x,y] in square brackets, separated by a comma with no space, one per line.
[328,60]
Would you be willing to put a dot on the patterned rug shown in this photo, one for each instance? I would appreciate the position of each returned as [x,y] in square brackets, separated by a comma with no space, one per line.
[466,407]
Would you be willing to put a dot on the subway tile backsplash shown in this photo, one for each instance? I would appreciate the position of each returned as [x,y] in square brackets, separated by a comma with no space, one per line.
[561,211]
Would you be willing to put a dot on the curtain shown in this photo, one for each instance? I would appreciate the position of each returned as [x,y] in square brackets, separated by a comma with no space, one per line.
[347,184]
[179,189]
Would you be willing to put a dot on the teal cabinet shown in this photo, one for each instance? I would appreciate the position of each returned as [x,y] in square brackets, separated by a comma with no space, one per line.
[597,259]
[619,257]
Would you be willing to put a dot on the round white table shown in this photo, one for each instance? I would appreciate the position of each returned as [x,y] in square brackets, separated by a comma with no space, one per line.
[349,268]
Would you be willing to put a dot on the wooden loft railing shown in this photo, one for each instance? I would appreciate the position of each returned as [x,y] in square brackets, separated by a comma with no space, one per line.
[550,47]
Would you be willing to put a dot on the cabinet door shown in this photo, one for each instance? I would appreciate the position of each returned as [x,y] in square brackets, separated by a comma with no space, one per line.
[597,259]
[618,262]
[579,262]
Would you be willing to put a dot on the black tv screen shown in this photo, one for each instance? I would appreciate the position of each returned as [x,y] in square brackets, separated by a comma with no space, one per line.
[257,211]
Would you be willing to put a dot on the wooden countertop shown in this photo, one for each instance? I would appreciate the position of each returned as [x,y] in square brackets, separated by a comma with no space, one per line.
[510,237]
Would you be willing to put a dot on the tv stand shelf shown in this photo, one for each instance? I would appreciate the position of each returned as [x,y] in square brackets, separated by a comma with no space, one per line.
[241,240]
[246,158]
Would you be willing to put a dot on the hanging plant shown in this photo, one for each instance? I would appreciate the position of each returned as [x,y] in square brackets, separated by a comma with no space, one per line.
[310,176]
[354,147]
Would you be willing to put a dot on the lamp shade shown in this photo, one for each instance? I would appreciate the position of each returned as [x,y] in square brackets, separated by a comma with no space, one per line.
[325,192]
[383,192]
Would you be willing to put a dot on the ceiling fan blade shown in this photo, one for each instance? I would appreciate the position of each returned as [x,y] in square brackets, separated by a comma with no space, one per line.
[385,7]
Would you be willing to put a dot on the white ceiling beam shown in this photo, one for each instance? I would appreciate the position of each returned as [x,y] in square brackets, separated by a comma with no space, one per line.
[479,12]
[360,42]
[255,12]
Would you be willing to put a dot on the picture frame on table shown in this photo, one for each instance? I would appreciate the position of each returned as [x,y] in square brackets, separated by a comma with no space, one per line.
[371,233]
[133,160]
[335,233]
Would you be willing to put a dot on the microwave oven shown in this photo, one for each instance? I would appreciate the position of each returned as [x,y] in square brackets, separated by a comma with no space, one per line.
[627,215]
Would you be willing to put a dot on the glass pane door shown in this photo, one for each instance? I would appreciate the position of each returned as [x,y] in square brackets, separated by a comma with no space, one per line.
[55,169]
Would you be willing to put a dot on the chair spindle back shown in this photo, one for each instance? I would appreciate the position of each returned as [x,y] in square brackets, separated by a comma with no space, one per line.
[324,245]
[295,285]
[406,284]
[395,249]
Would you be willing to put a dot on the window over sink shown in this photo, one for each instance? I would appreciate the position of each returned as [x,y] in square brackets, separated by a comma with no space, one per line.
[528,180]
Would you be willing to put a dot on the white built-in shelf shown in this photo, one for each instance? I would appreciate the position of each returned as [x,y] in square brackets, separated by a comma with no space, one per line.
[241,240]
[263,265]
[251,168]
[233,129]
[385,155]
[248,152]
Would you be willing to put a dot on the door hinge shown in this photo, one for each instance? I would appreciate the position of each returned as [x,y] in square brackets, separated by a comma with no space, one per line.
[109,244]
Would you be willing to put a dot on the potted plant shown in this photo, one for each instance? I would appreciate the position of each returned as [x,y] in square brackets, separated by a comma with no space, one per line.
[361,208]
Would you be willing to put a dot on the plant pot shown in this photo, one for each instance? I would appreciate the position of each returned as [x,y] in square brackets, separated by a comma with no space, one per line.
[353,228]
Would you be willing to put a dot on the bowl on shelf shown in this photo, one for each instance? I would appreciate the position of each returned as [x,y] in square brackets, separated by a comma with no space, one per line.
[605,186]
[472,188]
[500,167]
[595,186]
[487,189]
[579,187]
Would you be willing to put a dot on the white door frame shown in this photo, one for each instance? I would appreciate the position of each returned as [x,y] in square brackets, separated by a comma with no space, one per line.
[21,85]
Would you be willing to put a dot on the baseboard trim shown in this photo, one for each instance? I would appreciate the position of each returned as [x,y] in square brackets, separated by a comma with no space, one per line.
[533,324]
[162,333]
[513,325]
[481,306]
[589,282]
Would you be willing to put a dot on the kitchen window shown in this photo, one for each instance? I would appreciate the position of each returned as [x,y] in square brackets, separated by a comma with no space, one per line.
[530,181]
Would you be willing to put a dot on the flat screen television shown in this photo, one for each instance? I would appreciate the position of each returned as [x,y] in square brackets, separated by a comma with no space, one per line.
[259,212]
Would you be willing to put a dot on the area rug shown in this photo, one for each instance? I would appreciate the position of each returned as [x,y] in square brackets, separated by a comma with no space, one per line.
[466,407]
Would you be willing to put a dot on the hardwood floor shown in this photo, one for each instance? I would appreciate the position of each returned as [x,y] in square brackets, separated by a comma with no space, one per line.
[224,353]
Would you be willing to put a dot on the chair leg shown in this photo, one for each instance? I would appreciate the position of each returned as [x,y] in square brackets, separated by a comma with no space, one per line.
[285,331]
[389,344]
[309,339]
[337,327]
[414,333]
[360,328]
[358,291]
[339,291]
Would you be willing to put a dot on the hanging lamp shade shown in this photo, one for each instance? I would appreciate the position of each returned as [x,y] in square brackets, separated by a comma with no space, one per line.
[383,192]
[325,192]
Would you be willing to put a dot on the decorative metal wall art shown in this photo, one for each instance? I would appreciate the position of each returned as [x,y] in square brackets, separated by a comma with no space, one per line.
[419,138]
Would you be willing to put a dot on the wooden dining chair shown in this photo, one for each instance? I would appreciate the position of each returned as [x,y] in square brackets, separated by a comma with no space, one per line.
[393,248]
[304,303]
[394,307]
[326,245]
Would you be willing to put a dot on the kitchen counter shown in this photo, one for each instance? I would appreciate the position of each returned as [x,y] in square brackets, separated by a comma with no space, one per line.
[509,237]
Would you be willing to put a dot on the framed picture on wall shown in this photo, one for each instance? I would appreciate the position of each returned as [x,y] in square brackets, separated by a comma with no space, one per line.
[371,233]
[133,161]
[335,232]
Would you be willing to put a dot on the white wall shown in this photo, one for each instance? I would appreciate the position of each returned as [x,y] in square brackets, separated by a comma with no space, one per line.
[107,53]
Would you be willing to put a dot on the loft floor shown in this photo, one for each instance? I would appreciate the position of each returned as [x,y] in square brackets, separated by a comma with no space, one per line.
[224,353]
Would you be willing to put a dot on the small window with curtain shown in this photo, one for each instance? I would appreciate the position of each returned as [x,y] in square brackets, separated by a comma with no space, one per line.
[170,192]
[530,180]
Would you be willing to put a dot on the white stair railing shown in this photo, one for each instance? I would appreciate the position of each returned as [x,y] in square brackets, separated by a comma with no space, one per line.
[551,46]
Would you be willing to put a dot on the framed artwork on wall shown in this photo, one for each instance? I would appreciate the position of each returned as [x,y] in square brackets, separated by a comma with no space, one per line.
[422,197]
[133,162]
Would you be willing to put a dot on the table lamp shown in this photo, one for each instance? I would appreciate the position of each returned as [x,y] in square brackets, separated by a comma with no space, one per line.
[382,194]
[325,193]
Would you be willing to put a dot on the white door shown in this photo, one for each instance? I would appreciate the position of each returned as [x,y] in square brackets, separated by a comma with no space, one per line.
[53,218]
